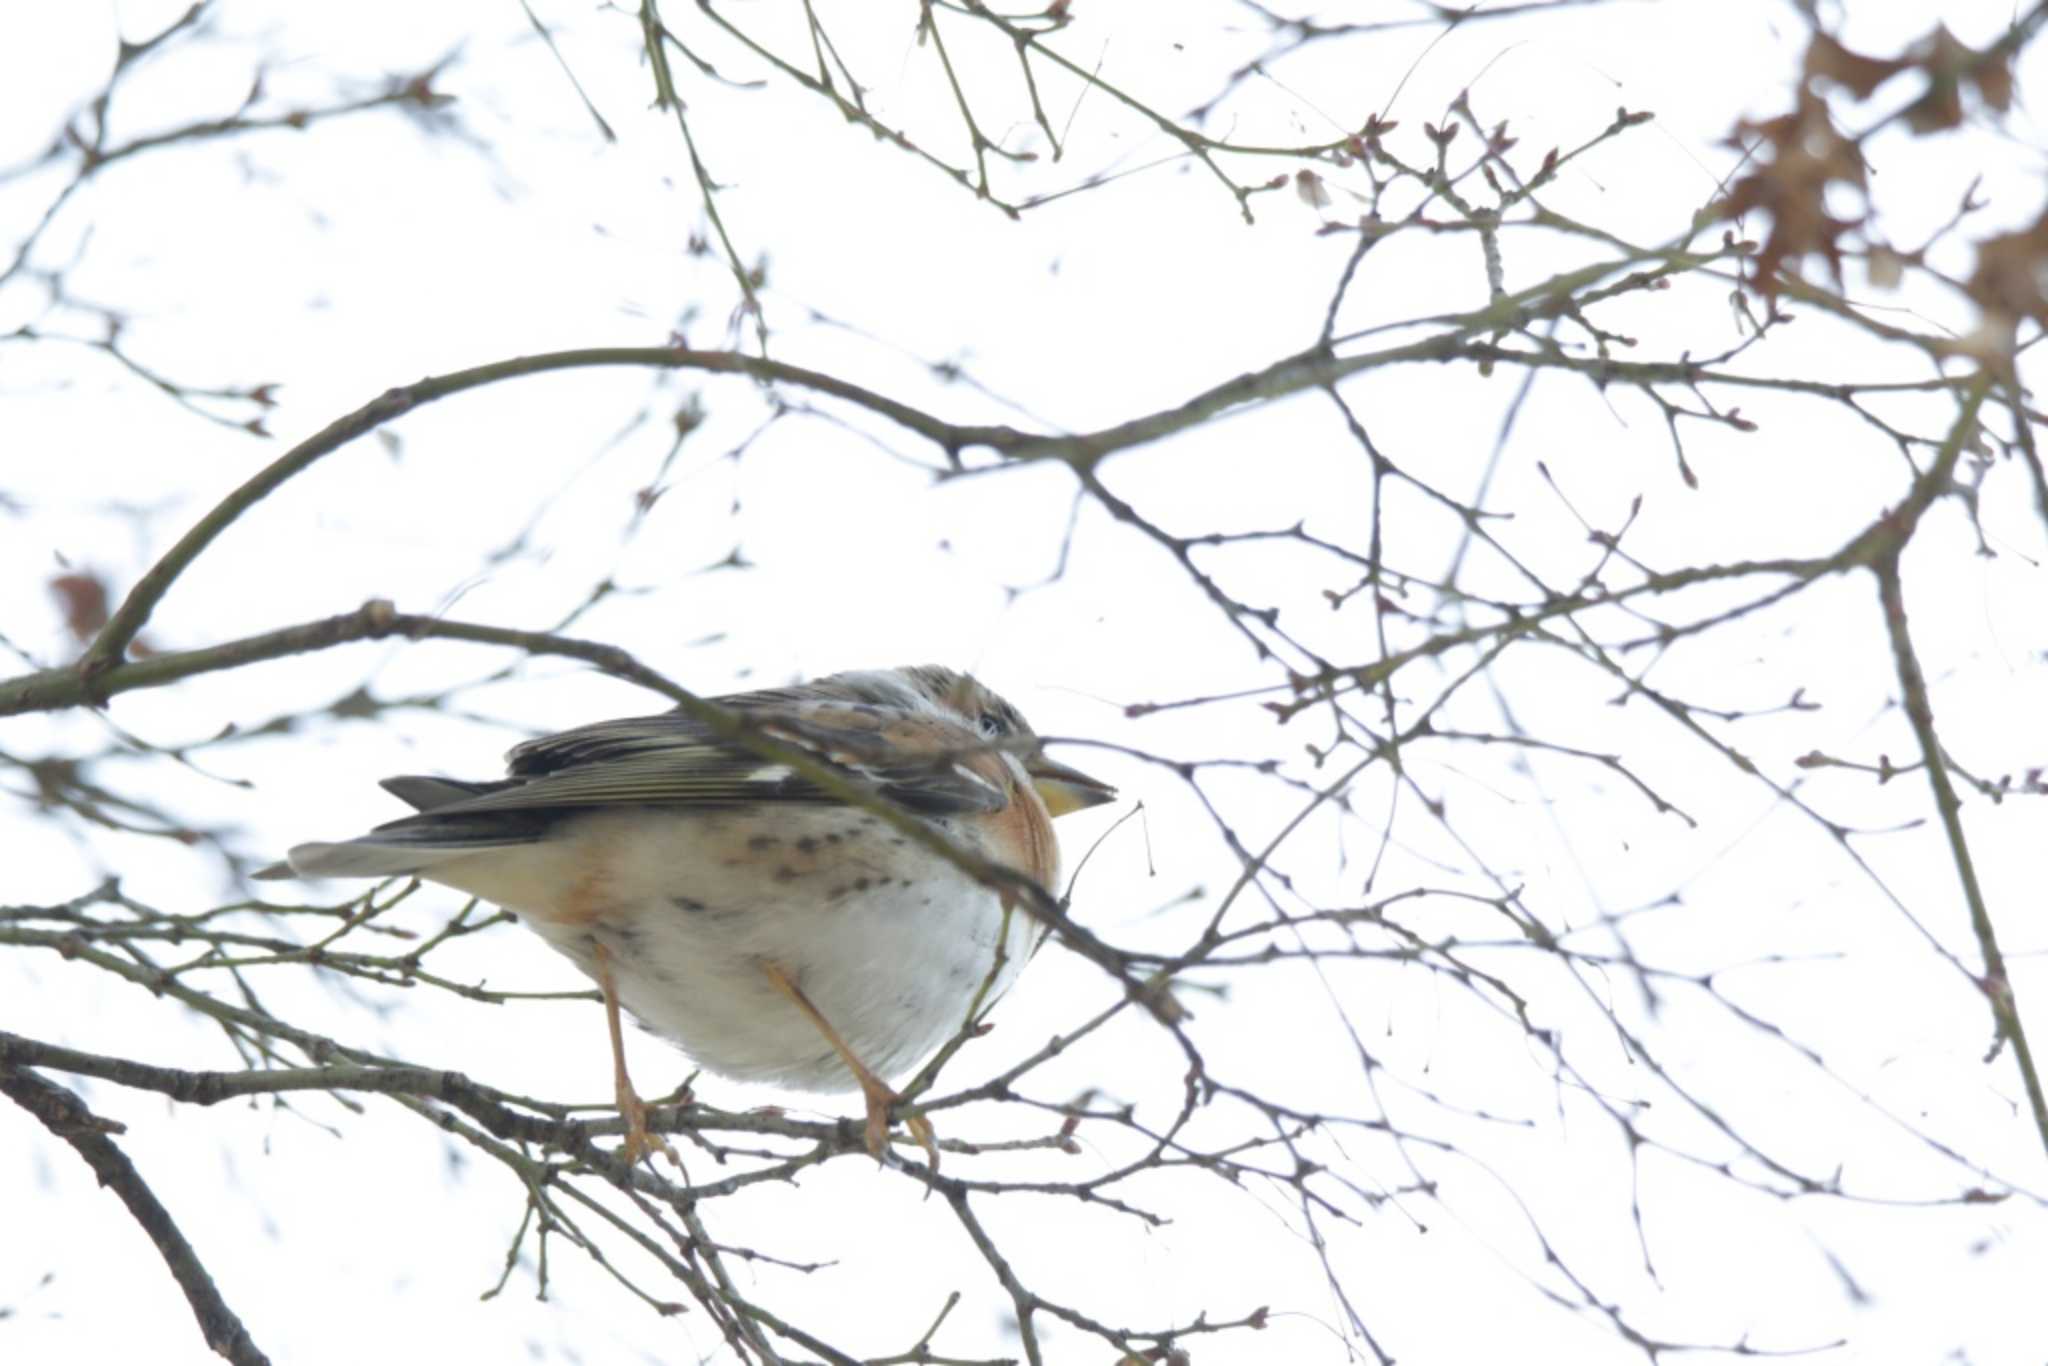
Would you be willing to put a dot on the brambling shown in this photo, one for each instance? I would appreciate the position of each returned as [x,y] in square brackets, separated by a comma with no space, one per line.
[774,932]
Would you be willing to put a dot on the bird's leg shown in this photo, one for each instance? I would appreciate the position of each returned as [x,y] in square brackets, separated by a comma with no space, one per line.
[880,1095]
[639,1141]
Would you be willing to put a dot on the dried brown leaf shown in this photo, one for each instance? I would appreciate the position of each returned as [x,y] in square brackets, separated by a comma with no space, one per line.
[1854,72]
[83,597]
[2011,278]
[1803,154]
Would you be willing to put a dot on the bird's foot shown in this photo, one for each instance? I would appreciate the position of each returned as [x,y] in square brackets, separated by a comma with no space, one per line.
[880,1097]
[640,1140]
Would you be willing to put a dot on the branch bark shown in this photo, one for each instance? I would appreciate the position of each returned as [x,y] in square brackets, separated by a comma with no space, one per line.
[65,1115]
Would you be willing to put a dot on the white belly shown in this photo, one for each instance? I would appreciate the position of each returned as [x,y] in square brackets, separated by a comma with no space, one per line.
[892,944]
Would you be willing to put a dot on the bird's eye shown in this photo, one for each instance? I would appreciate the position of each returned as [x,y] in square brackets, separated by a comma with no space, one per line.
[992,725]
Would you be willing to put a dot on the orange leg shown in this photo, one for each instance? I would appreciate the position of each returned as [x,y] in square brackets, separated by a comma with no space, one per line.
[639,1142]
[880,1095]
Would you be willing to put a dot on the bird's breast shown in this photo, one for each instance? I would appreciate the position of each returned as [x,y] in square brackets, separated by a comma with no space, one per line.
[891,942]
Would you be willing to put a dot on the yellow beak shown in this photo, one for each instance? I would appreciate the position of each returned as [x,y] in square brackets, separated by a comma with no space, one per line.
[1063,789]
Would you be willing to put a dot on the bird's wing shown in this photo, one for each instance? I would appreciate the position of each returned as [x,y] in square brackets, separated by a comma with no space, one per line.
[925,762]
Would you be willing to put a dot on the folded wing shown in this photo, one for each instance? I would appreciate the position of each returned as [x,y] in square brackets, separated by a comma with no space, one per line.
[924,761]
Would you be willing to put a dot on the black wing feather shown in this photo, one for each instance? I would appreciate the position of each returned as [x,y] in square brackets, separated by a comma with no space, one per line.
[672,760]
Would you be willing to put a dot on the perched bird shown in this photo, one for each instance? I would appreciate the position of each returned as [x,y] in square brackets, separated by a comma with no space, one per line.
[774,931]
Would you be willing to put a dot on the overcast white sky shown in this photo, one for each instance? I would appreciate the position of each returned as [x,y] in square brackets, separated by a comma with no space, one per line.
[339,262]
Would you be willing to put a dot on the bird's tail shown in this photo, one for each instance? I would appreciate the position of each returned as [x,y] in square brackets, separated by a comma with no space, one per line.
[410,845]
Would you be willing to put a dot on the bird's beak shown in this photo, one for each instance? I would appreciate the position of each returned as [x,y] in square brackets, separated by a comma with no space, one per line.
[1064,789]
